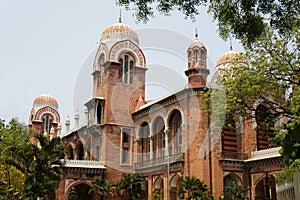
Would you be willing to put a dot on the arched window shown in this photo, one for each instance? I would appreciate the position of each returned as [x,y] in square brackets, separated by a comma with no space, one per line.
[264,129]
[70,152]
[46,123]
[145,141]
[196,56]
[229,181]
[202,57]
[175,134]
[126,68]
[189,56]
[102,59]
[79,151]
[158,134]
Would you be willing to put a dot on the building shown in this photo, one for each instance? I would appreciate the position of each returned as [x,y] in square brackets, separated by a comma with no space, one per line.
[164,139]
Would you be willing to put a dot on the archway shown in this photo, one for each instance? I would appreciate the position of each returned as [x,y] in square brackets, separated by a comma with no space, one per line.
[228,182]
[159,187]
[265,188]
[81,192]
[174,183]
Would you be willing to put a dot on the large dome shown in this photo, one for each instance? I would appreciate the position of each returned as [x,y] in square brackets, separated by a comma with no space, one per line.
[230,57]
[119,31]
[45,100]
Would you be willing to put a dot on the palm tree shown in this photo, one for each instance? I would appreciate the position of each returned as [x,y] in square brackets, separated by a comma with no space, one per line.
[103,187]
[130,185]
[194,186]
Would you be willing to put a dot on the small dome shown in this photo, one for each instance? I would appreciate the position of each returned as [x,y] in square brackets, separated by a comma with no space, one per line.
[196,43]
[230,57]
[46,100]
[121,31]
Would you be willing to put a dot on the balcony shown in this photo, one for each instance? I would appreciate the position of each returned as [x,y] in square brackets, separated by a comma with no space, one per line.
[157,162]
[266,153]
[83,166]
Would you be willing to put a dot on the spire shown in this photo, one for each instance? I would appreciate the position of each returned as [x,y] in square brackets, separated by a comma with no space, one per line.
[120,17]
[196,33]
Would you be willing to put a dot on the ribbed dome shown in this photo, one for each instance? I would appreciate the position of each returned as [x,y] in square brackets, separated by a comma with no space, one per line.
[45,100]
[230,57]
[196,43]
[121,31]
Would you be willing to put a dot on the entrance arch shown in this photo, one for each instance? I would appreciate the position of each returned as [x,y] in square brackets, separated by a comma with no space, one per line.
[80,191]
[265,188]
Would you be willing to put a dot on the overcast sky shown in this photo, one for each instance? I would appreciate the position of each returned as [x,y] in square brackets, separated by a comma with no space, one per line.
[45,44]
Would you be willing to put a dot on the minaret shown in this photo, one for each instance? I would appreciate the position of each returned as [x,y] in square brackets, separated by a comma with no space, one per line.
[197,72]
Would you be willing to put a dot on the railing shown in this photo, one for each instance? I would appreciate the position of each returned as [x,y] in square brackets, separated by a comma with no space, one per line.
[266,153]
[234,155]
[289,189]
[83,164]
[160,161]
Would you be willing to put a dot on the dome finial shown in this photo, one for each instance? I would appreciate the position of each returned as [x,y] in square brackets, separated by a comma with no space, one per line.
[196,33]
[120,17]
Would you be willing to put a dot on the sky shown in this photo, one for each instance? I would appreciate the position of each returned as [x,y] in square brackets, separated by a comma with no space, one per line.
[48,47]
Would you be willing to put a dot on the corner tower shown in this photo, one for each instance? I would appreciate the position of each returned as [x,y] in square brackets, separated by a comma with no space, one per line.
[44,116]
[118,74]
[118,86]
[197,72]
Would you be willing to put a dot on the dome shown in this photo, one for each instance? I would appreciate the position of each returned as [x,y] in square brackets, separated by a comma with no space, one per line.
[196,43]
[230,57]
[46,100]
[119,31]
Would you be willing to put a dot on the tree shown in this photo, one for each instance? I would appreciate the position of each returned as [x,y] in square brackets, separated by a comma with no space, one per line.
[130,186]
[44,169]
[195,188]
[13,137]
[31,171]
[236,192]
[104,188]
[272,79]
[245,20]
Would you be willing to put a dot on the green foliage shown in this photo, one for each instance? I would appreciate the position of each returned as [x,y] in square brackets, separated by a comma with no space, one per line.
[237,192]
[104,188]
[130,185]
[73,195]
[272,77]
[195,187]
[30,171]
[156,196]
[245,20]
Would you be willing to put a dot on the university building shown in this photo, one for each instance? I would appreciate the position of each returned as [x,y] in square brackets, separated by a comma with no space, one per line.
[163,139]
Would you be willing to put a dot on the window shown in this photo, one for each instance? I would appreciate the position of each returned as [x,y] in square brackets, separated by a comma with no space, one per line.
[46,124]
[202,58]
[125,155]
[175,134]
[79,151]
[126,68]
[196,52]
[99,113]
[125,146]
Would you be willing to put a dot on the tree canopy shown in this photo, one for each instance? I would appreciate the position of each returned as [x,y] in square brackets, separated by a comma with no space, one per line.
[245,20]
[271,79]
[30,171]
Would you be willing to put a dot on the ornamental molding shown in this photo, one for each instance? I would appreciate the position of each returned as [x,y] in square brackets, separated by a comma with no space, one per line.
[130,47]
[47,110]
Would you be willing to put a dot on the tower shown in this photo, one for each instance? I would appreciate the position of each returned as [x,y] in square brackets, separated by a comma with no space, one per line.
[197,72]
[44,116]
[119,85]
